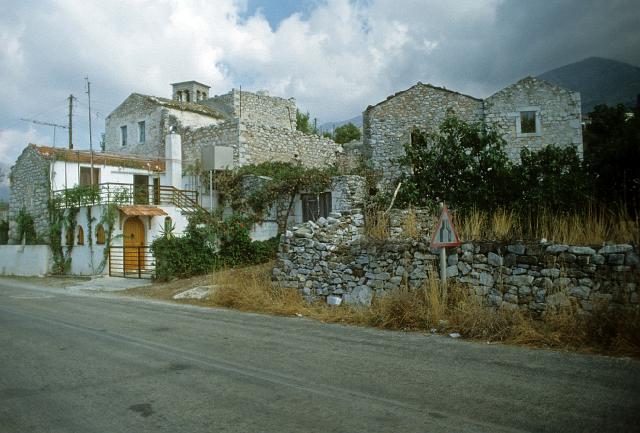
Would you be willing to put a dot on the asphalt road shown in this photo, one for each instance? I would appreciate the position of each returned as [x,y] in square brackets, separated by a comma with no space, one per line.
[101,363]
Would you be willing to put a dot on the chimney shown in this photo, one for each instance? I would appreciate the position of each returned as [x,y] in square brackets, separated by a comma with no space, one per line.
[173,156]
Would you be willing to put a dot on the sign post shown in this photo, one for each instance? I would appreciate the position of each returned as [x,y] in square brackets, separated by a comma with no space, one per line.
[444,236]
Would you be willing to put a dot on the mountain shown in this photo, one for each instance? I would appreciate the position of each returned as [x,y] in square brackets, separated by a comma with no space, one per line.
[330,126]
[599,81]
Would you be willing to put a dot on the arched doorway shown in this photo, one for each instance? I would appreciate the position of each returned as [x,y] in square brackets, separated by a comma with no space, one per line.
[134,238]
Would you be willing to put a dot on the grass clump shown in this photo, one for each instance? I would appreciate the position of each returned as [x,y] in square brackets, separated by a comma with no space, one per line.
[424,308]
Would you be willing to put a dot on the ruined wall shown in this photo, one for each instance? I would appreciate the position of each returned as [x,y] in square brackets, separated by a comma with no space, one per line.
[29,189]
[558,111]
[334,257]
[387,126]
[260,143]
[223,134]
[348,192]
[260,108]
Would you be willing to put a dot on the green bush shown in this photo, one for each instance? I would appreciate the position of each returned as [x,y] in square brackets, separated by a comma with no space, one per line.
[205,247]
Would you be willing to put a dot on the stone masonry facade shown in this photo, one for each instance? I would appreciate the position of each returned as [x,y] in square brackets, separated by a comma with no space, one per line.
[334,257]
[257,126]
[558,116]
[554,111]
[387,126]
[30,185]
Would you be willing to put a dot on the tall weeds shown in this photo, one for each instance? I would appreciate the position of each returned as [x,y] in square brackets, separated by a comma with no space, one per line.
[595,225]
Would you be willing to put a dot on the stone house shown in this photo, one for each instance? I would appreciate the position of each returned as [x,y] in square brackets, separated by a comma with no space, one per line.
[532,113]
[147,193]
[256,126]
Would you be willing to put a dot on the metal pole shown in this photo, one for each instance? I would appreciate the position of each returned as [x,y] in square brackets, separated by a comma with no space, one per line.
[90,134]
[443,269]
[211,191]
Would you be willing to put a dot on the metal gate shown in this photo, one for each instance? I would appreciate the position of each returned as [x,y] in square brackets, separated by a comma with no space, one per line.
[131,262]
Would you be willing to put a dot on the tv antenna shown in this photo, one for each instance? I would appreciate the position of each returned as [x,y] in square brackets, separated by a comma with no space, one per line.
[55,125]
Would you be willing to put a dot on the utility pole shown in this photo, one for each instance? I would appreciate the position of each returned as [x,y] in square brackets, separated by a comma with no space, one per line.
[70,121]
[90,138]
[55,125]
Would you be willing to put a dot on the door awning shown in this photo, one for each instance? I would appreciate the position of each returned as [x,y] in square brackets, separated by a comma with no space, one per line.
[138,210]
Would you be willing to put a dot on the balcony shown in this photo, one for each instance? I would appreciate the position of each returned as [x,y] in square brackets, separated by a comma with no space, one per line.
[125,194]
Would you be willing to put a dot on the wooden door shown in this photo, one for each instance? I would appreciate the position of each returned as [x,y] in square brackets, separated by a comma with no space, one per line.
[134,237]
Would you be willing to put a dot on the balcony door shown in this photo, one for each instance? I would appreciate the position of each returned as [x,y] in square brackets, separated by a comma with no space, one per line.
[140,189]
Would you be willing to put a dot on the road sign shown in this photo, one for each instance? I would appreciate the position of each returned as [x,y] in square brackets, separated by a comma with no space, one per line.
[445,234]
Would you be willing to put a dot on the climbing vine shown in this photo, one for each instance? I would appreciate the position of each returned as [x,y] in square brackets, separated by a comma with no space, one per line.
[254,189]
[26,227]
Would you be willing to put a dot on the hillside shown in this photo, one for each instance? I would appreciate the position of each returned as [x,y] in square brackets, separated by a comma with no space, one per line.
[599,81]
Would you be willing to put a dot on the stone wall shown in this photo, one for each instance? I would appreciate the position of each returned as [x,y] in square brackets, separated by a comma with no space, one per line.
[260,108]
[260,143]
[224,134]
[30,189]
[134,109]
[158,119]
[334,257]
[387,126]
[348,192]
[558,111]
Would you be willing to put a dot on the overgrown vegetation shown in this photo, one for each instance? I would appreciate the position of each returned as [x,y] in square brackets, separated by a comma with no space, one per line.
[304,123]
[423,309]
[345,133]
[550,193]
[26,227]
[206,247]
[249,193]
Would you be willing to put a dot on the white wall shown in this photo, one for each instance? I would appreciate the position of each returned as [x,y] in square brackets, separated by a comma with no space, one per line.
[69,172]
[87,261]
[24,260]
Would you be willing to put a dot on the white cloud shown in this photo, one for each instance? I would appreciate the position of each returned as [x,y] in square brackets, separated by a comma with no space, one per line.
[336,59]
[13,141]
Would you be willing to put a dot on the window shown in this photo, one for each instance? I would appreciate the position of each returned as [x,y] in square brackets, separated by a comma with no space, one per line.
[80,235]
[141,132]
[123,135]
[528,122]
[315,206]
[100,237]
[85,176]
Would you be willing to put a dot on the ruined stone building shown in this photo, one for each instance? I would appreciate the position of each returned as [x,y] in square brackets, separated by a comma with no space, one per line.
[531,113]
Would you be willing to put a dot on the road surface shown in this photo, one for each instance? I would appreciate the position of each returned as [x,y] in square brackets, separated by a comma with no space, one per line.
[102,363]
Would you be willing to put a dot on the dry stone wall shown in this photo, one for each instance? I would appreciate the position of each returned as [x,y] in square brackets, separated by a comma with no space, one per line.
[334,257]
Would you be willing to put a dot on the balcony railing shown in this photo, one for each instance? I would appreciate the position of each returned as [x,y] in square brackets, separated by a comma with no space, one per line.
[125,194]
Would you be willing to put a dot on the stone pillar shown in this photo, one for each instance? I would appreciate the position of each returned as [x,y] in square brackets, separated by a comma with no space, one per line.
[173,156]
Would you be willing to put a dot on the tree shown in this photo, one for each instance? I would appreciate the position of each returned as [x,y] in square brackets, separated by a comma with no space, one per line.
[463,164]
[303,123]
[612,152]
[346,133]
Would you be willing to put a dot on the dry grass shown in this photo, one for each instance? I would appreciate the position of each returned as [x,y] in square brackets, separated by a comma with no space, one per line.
[424,308]
[377,225]
[410,227]
[594,226]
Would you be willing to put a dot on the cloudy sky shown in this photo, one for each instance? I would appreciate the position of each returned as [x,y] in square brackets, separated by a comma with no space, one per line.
[334,56]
